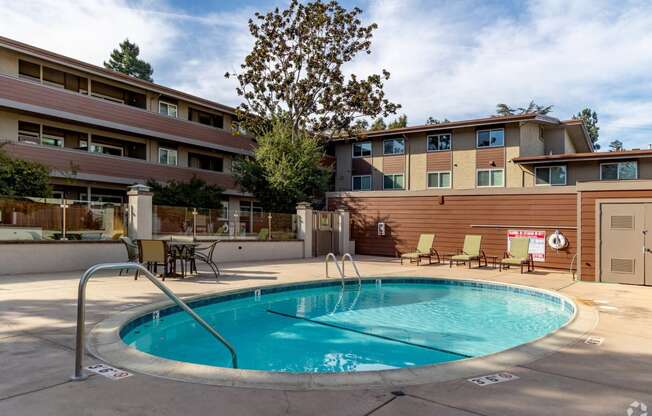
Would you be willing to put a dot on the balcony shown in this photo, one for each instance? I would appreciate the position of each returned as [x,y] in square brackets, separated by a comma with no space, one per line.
[78,164]
[41,99]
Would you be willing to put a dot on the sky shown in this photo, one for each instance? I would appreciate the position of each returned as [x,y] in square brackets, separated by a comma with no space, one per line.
[455,59]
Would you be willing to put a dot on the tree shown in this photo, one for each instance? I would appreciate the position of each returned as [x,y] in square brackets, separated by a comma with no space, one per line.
[195,193]
[616,146]
[295,71]
[378,124]
[23,177]
[532,108]
[126,60]
[431,120]
[590,120]
[398,123]
[285,170]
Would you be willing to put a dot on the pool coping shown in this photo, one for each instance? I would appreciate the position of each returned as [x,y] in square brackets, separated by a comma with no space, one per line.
[105,343]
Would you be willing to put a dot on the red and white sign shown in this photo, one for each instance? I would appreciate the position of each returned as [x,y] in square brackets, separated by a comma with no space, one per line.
[537,242]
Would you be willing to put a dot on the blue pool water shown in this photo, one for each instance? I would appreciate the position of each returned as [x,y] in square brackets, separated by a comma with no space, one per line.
[323,328]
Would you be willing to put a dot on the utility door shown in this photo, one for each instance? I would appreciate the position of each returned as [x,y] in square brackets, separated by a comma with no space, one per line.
[622,243]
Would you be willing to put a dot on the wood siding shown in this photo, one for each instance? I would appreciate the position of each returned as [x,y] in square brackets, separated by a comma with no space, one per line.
[589,225]
[437,161]
[485,157]
[58,99]
[111,166]
[361,166]
[406,218]
[394,164]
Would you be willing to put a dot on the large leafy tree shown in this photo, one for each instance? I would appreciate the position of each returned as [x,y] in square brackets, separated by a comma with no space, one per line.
[378,124]
[505,110]
[590,119]
[616,146]
[23,177]
[431,120]
[126,60]
[295,71]
[286,168]
[195,193]
[398,123]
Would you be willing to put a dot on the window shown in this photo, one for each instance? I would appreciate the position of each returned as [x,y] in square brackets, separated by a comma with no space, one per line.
[51,140]
[167,156]
[491,177]
[361,149]
[490,138]
[205,162]
[550,175]
[618,171]
[361,182]
[393,181]
[29,71]
[439,179]
[105,149]
[439,142]
[393,147]
[29,133]
[167,109]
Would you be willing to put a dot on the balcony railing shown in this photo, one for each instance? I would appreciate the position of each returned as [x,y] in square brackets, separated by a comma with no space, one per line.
[79,164]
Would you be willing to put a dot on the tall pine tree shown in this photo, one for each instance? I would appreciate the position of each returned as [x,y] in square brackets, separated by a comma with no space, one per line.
[126,60]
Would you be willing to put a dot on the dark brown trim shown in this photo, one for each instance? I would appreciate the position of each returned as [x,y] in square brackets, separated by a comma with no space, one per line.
[576,157]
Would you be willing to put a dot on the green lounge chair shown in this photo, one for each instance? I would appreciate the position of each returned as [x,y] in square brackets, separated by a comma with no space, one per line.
[424,250]
[518,255]
[471,251]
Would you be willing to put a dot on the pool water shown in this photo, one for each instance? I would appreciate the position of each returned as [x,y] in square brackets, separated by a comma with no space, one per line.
[324,328]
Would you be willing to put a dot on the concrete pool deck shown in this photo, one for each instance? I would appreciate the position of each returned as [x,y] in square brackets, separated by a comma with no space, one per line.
[37,340]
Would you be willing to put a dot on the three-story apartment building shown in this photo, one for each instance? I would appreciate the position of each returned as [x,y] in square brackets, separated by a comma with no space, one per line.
[99,130]
[498,177]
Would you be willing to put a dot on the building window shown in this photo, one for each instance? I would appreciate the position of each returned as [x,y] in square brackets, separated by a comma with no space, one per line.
[439,142]
[51,140]
[167,156]
[550,175]
[361,182]
[167,109]
[490,138]
[205,162]
[490,177]
[361,149]
[618,171]
[29,133]
[393,147]
[439,179]
[394,181]
[105,149]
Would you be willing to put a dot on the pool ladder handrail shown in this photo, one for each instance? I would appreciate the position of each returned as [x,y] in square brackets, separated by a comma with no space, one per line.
[330,256]
[81,312]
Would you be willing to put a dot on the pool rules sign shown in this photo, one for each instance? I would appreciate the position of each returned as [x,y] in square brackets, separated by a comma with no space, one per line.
[537,242]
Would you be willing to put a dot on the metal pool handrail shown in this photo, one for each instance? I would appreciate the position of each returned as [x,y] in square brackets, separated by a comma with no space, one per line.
[355,266]
[332,256]
[81,312]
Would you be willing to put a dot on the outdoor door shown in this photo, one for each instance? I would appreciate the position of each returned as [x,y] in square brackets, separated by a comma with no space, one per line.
[624,241]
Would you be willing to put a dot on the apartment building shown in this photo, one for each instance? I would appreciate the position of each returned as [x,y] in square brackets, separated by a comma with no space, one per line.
[100,131]
[497,177]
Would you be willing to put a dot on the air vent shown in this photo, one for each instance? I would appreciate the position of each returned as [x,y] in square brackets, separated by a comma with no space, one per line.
[622,266]
[622,222]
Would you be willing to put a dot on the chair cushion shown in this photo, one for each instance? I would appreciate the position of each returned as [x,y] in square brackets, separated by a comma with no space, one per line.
[513,260]
[463,257]
[413,255]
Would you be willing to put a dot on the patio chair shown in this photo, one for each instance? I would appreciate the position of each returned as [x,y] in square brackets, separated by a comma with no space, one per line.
[151,253]
[132,253]
[518,255]
[205,254]
[263,234]
[471,251]
[424,250]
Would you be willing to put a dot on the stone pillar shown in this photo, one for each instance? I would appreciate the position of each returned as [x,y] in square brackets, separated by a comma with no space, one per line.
[140,212]
[344,231]
[304,228]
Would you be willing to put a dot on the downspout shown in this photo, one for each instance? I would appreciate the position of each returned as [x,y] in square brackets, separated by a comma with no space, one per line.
[408,177]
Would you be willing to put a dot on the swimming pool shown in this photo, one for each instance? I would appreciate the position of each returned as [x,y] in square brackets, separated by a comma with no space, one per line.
[320,327]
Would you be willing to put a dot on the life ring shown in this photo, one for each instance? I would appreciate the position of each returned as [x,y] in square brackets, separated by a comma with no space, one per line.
[557,241]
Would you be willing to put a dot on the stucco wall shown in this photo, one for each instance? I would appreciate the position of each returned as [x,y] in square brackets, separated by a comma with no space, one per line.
[229,251]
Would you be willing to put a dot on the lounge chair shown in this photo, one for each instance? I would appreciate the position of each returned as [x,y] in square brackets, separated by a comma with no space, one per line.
[424,250]
[471,251]
[151,253]
[205,254]
[518,255]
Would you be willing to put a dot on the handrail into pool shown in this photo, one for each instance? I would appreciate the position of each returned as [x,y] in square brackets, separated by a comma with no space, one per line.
[332,256]
[81,312]
[355,266]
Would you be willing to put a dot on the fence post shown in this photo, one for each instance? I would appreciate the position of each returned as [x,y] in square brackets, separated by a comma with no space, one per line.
[344,230]
[140,212]
[304,230]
